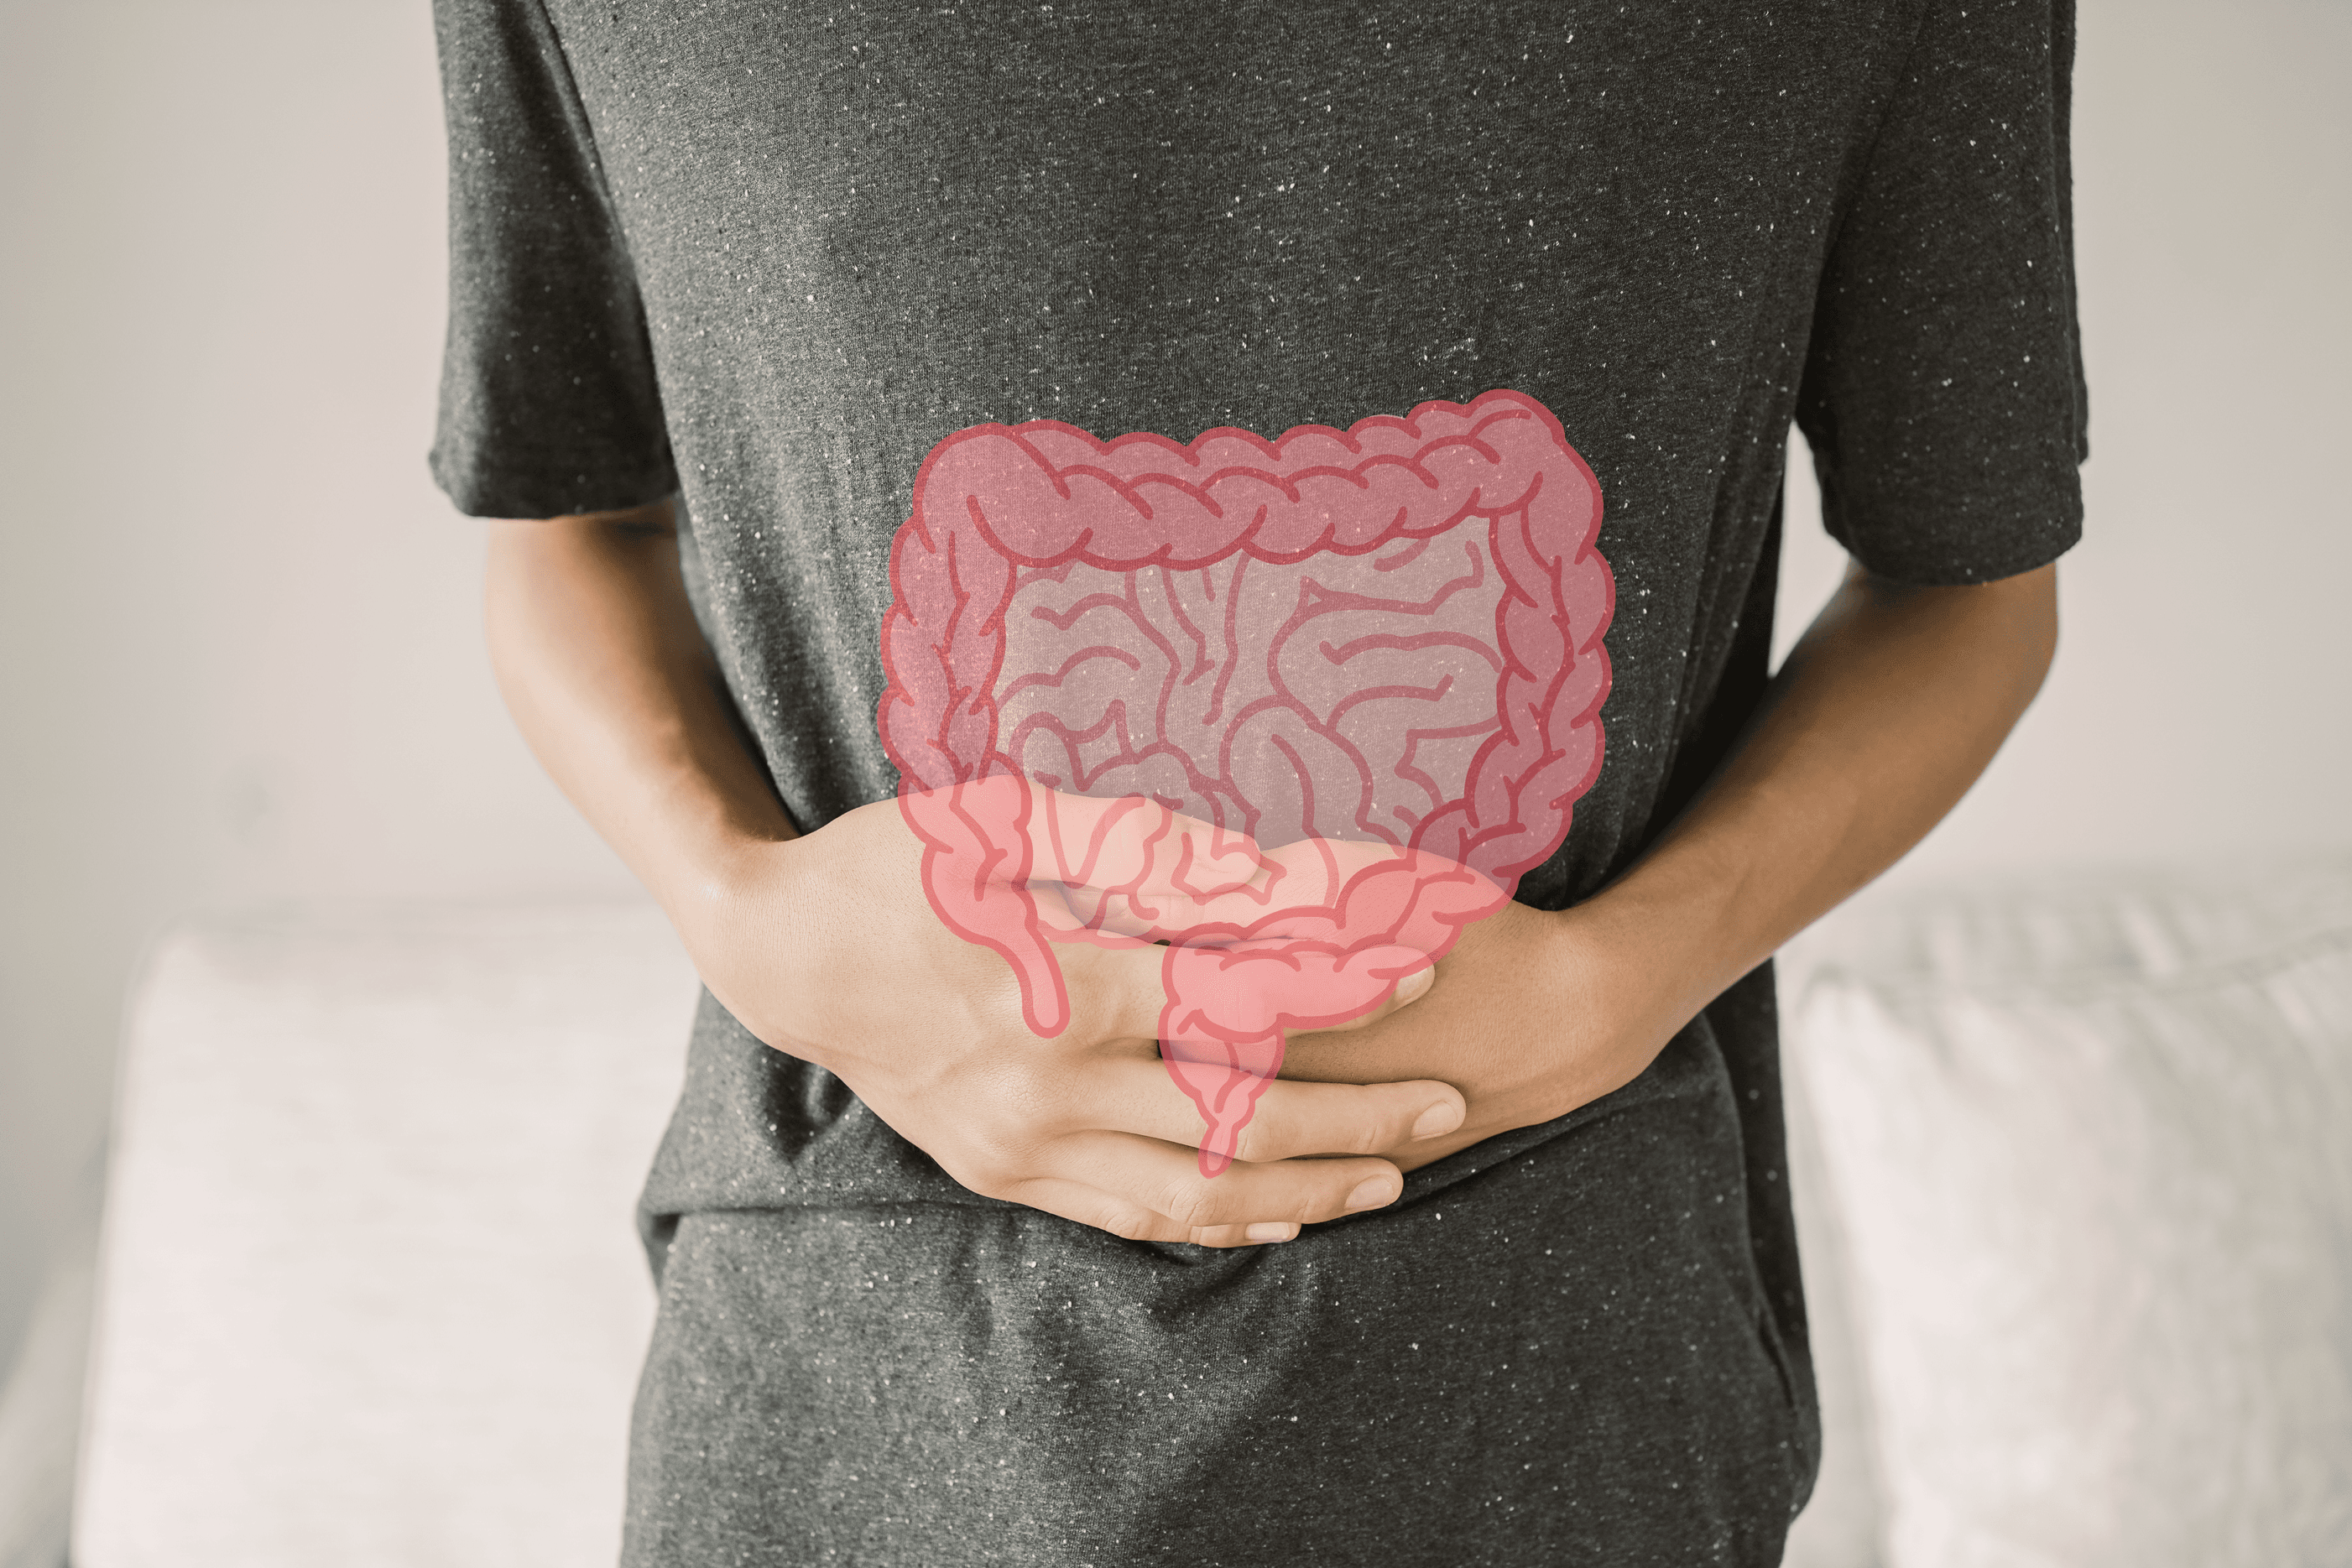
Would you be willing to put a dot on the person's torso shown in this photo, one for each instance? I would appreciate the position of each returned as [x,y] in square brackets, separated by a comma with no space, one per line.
[859,230]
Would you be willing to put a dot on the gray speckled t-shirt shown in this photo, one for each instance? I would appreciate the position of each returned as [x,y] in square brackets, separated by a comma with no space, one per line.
[766,256]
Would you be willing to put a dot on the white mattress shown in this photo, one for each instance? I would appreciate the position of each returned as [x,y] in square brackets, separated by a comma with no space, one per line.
[2087,1148]
[370,1290]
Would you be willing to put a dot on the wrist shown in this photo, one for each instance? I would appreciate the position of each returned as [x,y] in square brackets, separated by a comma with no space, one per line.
[1601,1011]
[713,868]
[1660,952]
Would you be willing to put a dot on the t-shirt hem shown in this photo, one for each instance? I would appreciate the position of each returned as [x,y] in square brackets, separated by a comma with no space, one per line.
[479,492]
[1934,568]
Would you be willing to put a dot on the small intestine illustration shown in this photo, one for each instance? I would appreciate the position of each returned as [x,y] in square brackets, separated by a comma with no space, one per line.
[1299,709]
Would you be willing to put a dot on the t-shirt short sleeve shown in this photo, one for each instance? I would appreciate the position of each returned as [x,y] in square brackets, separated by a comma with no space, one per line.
[549,402]
[1943,391]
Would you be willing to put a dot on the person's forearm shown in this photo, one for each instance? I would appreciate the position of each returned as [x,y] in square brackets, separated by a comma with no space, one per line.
[607,675]
[1882,716]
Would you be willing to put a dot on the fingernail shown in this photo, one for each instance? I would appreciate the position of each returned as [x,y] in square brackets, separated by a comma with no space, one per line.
[1371,1193]
[1442,1117]
[1270,1231]
[1411,988]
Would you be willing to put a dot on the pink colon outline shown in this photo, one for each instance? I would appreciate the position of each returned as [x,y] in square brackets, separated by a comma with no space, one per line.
[1043,494]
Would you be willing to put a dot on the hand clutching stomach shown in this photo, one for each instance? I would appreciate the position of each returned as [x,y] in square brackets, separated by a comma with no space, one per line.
[1532,1012]
[1366,665]
[833,947]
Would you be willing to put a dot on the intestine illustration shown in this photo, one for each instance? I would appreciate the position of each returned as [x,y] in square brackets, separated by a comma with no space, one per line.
[1299,708]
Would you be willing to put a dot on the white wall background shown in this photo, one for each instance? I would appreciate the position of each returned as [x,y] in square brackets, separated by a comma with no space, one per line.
[239,649]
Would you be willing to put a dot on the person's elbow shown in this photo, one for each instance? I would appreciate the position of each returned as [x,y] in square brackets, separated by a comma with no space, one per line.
[2023,613]
[2011,624]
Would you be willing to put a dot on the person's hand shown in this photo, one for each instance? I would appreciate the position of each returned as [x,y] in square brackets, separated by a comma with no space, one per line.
[1532,1015]
[1310,934]
[827,947]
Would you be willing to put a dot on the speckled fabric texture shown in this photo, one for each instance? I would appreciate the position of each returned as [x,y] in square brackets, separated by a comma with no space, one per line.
[765,258]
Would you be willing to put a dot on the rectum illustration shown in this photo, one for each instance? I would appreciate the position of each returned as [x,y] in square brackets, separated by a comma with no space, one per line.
[1299,709]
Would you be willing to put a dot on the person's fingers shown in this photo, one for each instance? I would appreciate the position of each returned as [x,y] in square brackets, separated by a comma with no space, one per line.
[1119,990]
[1296,888]
[1131,1094]
[1134,846]
[1250,989]
[1165,1178]
[1091,1205]
[1117,993]
[1080,910]
[1409,989]
[1258,1235]
[1069,913]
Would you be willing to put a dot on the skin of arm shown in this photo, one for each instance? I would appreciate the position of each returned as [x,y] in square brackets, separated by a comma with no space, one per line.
[605,672]
[1883,715]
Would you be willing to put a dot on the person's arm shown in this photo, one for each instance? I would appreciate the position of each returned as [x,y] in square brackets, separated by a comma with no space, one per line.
[1884,713]
[1943,400]
[608,676]
[825,945]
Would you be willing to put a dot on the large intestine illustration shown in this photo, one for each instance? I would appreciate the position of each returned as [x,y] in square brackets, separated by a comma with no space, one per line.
[1299,708]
